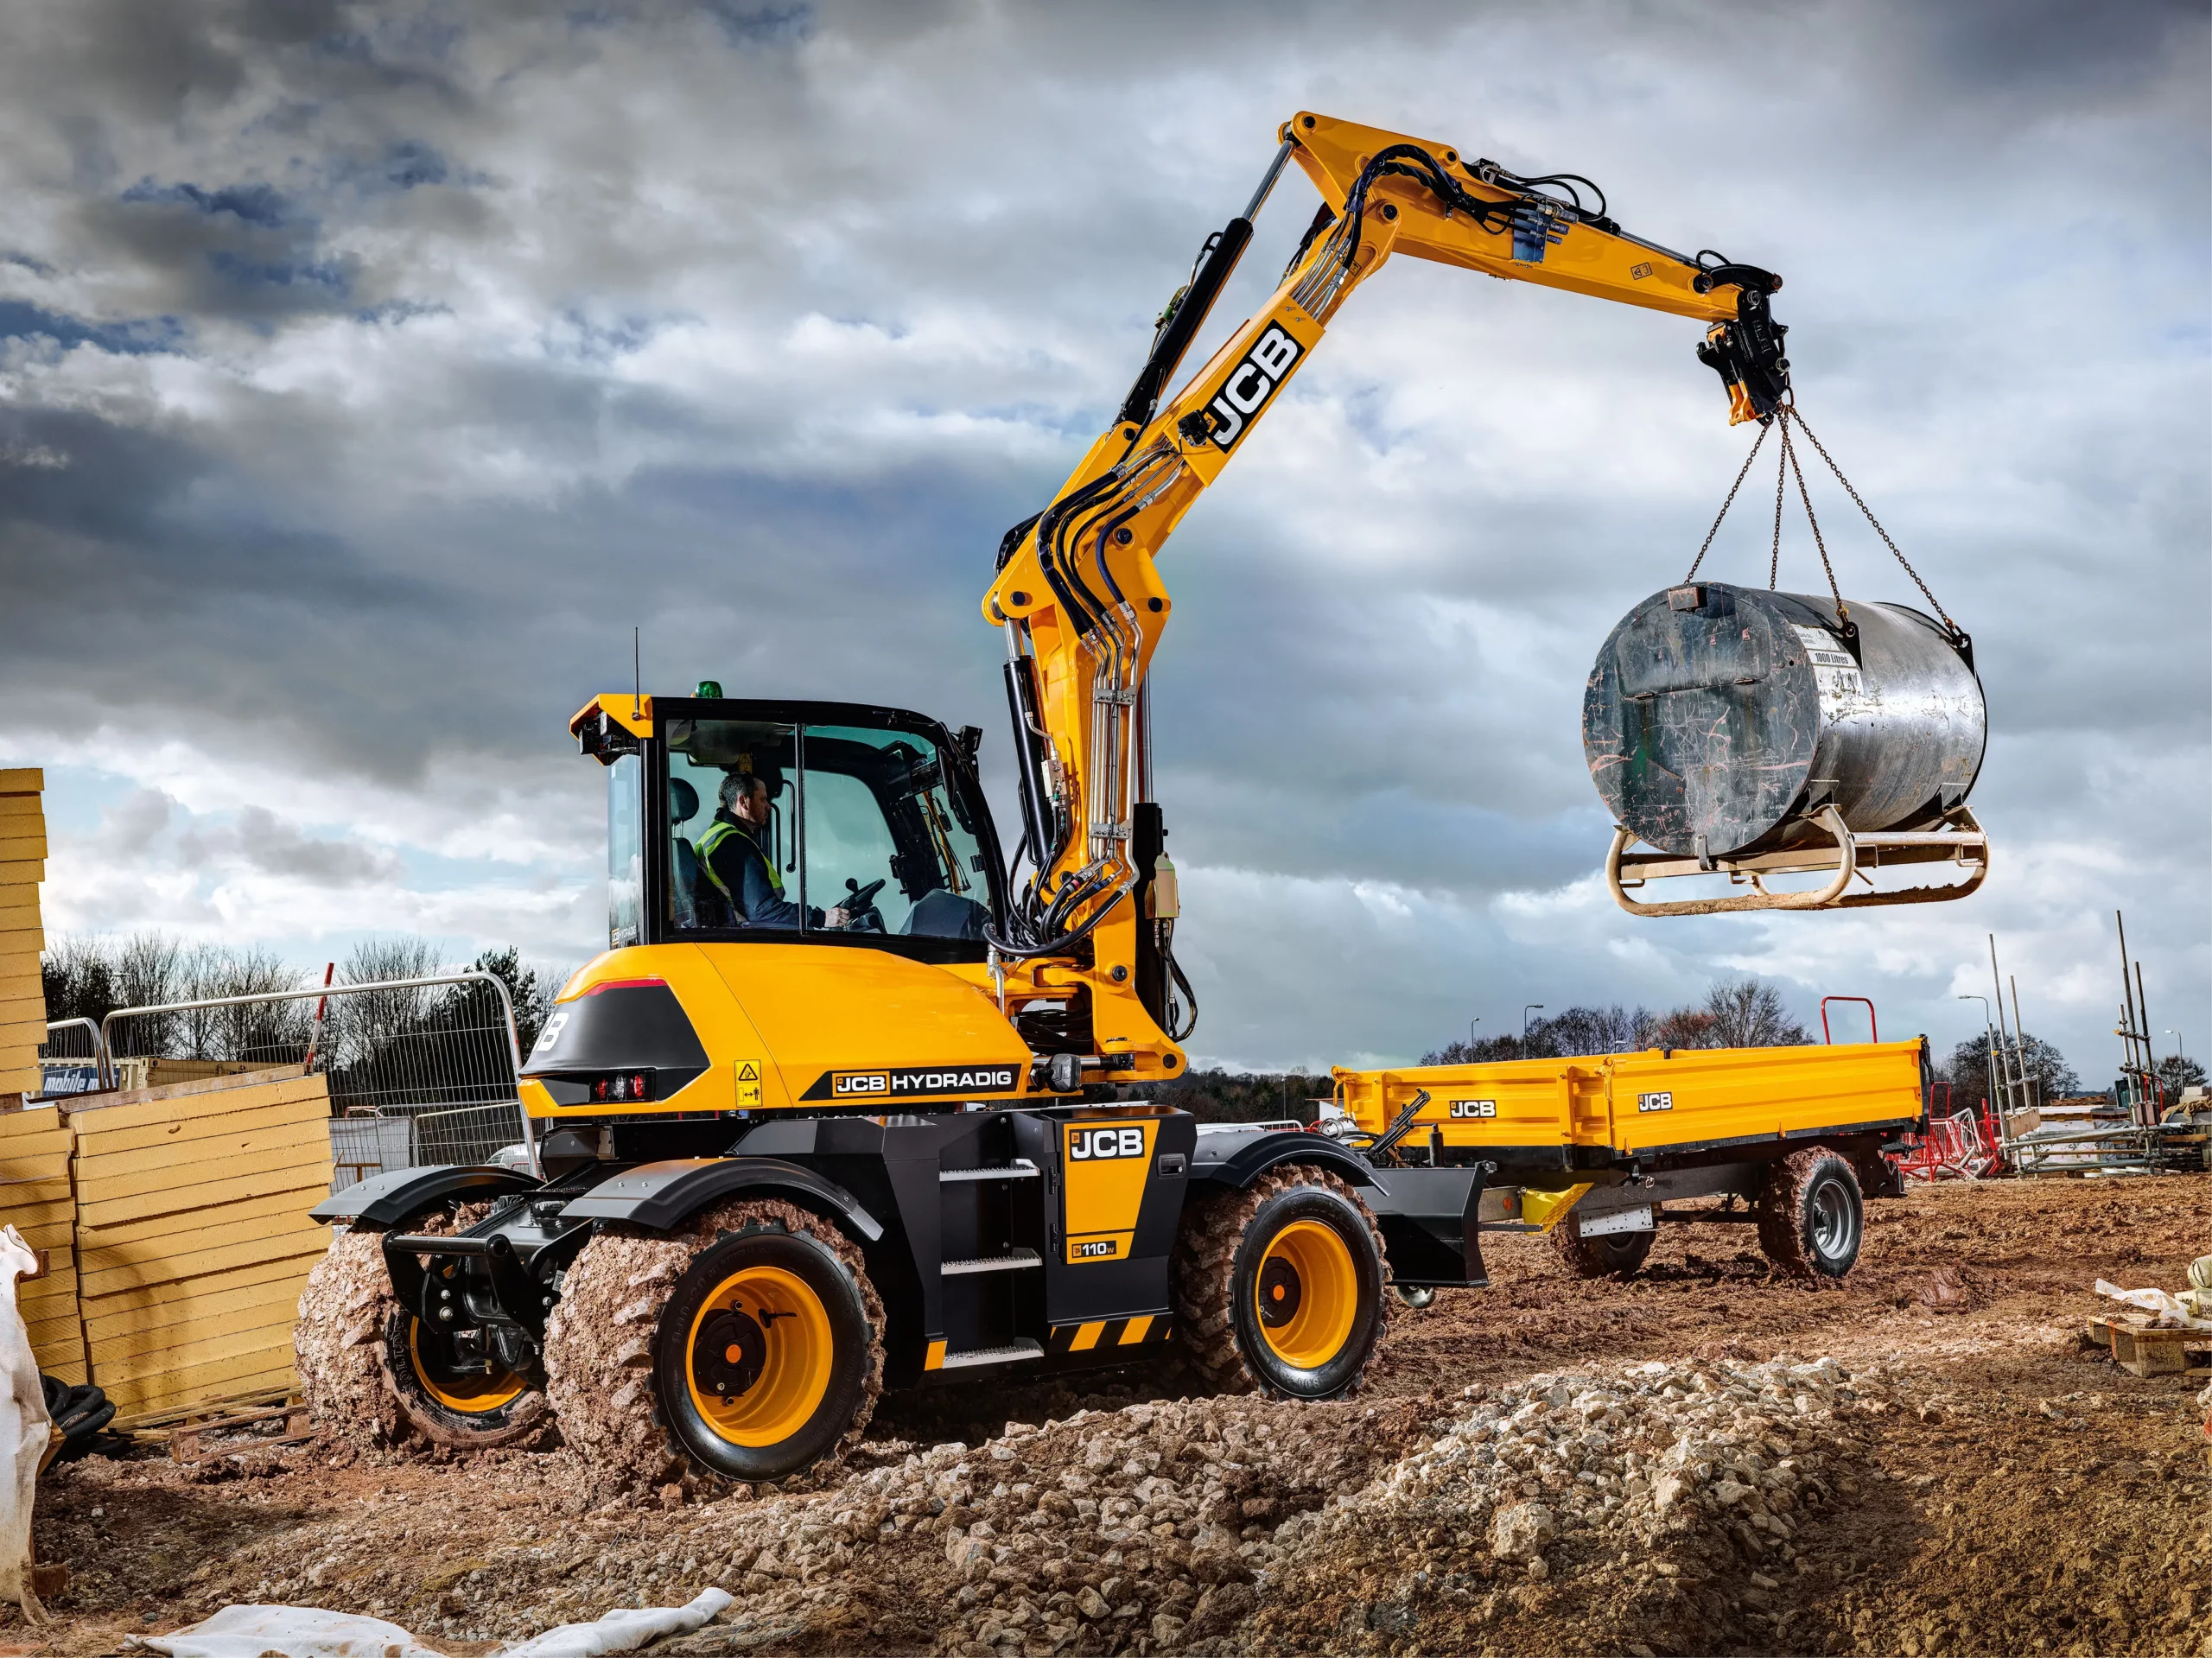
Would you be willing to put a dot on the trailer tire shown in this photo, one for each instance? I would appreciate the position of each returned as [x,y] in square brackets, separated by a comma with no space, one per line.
[1303,1237]
[1812,1219]
[608,1355]
[1616,1255]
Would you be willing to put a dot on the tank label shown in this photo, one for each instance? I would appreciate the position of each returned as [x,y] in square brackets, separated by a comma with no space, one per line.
[910,1081]
[1836,674]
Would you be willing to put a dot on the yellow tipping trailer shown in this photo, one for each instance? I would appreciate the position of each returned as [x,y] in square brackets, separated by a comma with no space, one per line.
[1592,1149]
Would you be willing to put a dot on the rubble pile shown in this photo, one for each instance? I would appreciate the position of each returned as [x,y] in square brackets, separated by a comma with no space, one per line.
[1655,1480]
[1207,1525]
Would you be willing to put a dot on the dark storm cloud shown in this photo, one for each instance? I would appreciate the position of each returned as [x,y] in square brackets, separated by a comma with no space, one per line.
[369,370]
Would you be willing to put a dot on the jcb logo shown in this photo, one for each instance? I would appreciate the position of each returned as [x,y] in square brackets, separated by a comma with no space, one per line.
[1249,385]
[1474,1107]
[1655,1102]
[860,1081]
[1093,1145]
[1096,1249]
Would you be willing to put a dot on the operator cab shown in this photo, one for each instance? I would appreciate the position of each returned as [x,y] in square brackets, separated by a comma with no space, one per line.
[876,812]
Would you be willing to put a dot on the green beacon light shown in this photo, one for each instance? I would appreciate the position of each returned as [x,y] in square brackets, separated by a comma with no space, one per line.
[708,688]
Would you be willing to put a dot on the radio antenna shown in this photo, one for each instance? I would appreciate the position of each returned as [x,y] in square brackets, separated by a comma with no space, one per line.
[636,678]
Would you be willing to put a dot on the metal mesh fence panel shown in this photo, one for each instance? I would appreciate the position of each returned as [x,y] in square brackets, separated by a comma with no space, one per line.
[421,1070]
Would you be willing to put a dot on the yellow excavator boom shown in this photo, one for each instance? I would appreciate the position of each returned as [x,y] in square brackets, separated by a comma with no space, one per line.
[1077,589]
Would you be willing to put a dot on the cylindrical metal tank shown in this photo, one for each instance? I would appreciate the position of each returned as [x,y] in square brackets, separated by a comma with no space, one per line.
[1719,717]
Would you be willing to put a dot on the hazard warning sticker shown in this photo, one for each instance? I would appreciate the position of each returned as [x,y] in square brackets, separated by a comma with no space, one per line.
[748,1082]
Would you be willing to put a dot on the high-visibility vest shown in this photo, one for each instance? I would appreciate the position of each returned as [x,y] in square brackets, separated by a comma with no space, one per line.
[716,834]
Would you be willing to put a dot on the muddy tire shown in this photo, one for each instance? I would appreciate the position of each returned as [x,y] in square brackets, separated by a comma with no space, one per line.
[1279,1288]
[337,1344]
[632,1310]
[366,1380]
[1812,1219]
[1616,1255]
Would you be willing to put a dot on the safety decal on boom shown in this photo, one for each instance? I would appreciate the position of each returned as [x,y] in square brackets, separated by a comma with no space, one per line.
[914,1082]
[1250,384]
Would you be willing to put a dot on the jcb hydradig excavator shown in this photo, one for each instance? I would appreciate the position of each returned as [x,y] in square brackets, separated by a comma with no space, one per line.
[844,1105]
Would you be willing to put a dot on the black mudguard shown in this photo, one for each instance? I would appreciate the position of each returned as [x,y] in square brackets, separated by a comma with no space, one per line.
[1430,1222]
[388,1198]
[661,1197]
[1236,1160]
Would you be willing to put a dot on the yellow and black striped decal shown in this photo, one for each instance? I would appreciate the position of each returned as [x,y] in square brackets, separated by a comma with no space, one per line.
[1100,1334]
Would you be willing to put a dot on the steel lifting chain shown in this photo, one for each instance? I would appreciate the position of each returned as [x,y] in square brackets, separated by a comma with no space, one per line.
[1786,468]
[1725,505]
[1877,523]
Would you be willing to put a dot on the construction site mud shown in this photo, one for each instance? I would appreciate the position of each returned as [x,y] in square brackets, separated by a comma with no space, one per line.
[1707,1457]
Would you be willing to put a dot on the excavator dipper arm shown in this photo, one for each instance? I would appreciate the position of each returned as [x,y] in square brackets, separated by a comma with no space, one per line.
[1077,589]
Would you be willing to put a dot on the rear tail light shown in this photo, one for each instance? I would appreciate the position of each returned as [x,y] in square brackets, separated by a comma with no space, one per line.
[622,1085]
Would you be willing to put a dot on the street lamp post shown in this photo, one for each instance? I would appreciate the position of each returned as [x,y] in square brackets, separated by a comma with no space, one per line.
[1533,1007]
[1988,1047]
[1471,1023]
[2177,1037]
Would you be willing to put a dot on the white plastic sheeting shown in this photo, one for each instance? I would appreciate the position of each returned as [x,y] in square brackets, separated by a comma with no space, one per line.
[294,1631]
[310,1632]
[619,1631]
[2165,1309]
[25,1429]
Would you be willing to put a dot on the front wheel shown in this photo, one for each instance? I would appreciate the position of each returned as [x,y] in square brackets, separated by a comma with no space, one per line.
[1278,1287]
[1811,1218]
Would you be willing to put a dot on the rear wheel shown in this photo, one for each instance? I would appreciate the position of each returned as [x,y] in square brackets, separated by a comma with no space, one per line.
[453,1388]
[1616,1254]
[366,1373]
[748,1346]
[1278,1287]
[1811,1218]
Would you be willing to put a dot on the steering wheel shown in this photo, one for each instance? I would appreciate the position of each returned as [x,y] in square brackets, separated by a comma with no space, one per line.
[859,905]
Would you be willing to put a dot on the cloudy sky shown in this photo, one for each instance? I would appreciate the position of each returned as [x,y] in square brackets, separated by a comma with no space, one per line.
[366,372]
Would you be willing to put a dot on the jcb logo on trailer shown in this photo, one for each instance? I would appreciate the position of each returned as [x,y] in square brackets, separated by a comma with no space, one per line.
[1656,1101]
[1474,1107]
[1086,1145]
[1250,384]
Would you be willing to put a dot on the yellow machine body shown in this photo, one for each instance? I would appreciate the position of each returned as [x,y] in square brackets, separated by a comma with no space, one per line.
[776,1020]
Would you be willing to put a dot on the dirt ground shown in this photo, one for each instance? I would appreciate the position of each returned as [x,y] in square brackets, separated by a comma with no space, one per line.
[1976,1483]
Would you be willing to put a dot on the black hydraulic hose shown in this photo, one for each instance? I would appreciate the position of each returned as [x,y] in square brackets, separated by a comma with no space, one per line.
[1061,942]
[1012,540]
[1020,695]
[1174,339]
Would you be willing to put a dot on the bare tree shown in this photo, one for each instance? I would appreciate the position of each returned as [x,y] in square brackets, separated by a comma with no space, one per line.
[1746,1013]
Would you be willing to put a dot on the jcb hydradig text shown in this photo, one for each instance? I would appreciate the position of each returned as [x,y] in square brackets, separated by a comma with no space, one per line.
[844,1105]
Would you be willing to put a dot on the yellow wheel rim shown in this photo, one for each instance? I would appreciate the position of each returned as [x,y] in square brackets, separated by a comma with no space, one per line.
[1307,1295]
[501,1388]
[758,1357]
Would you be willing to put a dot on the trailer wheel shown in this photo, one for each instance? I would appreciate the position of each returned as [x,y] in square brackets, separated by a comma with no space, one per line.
[1617,1254]
[1278,1287]
[1811,1217]
[748,1346]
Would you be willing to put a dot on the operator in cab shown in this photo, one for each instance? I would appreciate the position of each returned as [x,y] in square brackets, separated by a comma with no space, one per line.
[733,863]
